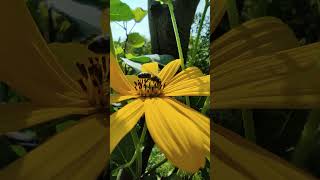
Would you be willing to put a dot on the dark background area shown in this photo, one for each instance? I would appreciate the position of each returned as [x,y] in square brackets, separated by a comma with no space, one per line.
[279,130]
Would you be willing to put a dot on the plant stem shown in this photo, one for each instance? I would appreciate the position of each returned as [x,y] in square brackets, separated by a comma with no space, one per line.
[176,33]
[119,174]
[248,124]
[195,47]
[206,105]
[139,162]
[153,168]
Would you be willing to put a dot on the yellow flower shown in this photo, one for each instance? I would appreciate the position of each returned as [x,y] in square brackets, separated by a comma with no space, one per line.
[30,67]
[180,132]
[258,65]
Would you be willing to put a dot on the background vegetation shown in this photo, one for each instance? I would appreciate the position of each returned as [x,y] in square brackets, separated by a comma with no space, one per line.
[293,134]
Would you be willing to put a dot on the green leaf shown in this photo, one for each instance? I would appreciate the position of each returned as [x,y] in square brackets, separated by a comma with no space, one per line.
[64,26]
[119,50]
[163,59]
[141,59]
[62,126]
[129,55]
[19,150]
[120,11]
[136,66]
[135,40]
[139,14]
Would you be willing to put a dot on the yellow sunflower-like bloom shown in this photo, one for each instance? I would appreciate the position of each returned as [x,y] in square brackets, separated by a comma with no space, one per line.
[47,76]
[180,132]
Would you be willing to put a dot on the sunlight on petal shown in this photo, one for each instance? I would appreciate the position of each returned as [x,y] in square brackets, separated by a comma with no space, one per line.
[115,98]
[151,68]
[284,79]
[199,86]
[118,81]
[26,61]
[253,38]
[19,116]
[122,121]
[51,158]
[201,121]
[175,135]
[189,73]
[167,73]
[89,165]
[235,157]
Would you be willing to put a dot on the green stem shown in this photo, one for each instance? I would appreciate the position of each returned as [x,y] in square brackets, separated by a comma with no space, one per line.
[206,105]
[176,33]
[125,160]
[248,124]
[111,43]
[153,168]
[233,15]
[195,47]
[139,162]
[119,174]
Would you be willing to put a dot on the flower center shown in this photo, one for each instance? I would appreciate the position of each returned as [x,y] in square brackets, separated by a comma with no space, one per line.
[93,81]
[148,85]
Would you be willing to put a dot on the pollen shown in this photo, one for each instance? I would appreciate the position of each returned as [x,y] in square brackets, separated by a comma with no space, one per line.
[149,87]
[93,80]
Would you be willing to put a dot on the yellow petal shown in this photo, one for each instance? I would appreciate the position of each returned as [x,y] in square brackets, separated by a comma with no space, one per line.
[122,121]
[105,21]
[189,73]
[167,73]
[26,61]
[217,12]
[70,53]
[118,81]
[284,79]
[201,121]
[132,79]
[51,158]
[114,98]
[236,158]
[261,36]
[199,86]
[151,68]
[175,135]
[88,166]
[18,116]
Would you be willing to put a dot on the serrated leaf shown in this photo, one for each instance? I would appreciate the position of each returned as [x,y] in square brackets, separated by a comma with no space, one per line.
[139,14]
[120,11]
[136,40]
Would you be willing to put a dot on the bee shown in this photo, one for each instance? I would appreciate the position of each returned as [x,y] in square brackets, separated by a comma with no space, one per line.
[144,75]
[149,76]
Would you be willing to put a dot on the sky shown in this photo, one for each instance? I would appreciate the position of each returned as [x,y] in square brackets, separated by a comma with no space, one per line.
[143,26]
